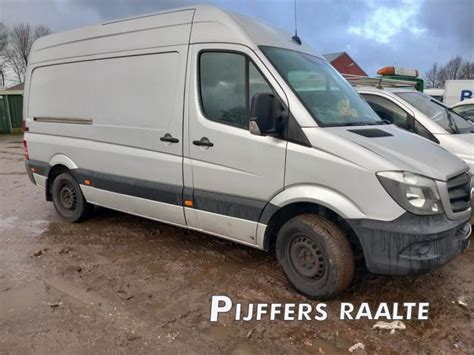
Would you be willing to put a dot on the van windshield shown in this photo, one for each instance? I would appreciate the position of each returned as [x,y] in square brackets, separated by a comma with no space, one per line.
[442,115]
[328,97]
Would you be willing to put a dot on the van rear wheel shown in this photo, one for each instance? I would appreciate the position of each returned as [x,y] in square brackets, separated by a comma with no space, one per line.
[68,199]
[315,256]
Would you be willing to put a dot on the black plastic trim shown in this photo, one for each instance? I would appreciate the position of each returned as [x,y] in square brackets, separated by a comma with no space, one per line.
[371,132]
[41,167]
[233,206]
[229,205]
[267,213]
[391,247]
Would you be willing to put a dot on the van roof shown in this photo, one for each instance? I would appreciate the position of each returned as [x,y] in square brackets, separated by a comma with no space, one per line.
[208,23]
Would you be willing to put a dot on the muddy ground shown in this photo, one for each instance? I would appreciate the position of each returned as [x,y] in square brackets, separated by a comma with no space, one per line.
[125,284]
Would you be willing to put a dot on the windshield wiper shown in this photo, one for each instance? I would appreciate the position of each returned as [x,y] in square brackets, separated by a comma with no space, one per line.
[452,123]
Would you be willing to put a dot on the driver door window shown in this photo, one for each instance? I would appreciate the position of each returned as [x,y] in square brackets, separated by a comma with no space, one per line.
[228,82]
[388,111]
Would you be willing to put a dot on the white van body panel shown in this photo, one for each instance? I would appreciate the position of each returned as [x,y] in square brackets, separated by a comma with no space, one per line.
[141,33]
[211,25]
[304,179]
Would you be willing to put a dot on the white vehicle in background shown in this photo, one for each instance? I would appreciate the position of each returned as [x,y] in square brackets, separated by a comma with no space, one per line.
[437,94]
[457,90]
[465,108]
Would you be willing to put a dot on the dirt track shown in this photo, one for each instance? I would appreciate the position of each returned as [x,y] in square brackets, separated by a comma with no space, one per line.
[126,284]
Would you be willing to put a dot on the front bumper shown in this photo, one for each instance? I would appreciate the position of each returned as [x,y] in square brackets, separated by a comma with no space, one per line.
[411,244]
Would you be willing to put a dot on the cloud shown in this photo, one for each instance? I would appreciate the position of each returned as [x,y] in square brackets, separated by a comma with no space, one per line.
[449,20]
[382,23]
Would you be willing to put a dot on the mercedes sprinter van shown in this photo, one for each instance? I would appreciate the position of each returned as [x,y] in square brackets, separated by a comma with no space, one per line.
[218,123]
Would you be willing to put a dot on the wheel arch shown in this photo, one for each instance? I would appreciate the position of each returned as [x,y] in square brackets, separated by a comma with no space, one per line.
[61,159]
[54,171]
[308,199]
[59,163]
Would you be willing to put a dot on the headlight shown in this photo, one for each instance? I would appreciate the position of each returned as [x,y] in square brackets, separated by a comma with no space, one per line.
[415,193]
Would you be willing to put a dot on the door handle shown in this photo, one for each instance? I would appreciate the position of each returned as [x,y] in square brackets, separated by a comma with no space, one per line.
[203,142]
[169,138]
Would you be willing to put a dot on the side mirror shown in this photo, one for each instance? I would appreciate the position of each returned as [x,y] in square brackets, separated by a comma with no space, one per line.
[267,115]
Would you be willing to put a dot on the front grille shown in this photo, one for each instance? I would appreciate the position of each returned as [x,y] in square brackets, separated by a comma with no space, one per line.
[459,191]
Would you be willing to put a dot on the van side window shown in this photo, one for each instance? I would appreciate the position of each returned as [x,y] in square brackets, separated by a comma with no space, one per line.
[228,82]
[257,84]
[387,110]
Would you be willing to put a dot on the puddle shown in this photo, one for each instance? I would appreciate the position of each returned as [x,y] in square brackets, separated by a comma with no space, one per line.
[32,229]
[7,223]
[37,227]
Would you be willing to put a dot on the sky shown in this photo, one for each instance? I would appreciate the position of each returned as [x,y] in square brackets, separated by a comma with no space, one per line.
[376,33]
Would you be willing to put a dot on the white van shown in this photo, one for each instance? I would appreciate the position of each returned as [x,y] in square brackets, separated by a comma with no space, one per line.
[457,90]
[217,123]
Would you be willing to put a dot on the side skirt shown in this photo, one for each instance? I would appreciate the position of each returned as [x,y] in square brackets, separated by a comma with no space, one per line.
[167,213]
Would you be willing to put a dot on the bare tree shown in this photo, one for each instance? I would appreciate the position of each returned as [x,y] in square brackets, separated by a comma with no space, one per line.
[3,37]
[468,70]
[2,76]
[431,76]
[454,69]
[3,46]
[40,31]
[14,62]
[22,37]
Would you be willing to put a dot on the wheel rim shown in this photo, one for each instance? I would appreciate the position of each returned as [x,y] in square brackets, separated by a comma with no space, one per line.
[67,197]
[307,257]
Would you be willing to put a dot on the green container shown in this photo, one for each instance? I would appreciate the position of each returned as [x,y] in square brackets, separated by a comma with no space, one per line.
[11,113]
[4,116]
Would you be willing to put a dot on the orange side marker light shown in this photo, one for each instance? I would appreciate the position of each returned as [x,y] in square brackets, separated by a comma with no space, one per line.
[188,203]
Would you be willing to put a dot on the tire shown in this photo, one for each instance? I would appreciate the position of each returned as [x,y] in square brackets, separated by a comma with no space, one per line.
[68,199]
[315,256]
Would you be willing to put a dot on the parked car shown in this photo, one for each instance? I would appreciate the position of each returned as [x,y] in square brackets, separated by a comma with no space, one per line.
[419,113]
[217,123]
[465,109]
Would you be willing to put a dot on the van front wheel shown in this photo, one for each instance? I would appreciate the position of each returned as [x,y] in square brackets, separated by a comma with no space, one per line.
[315,256]
[68,199]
